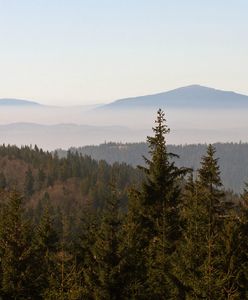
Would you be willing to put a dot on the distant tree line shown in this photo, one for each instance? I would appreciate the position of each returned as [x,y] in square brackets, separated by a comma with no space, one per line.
[233,158]
[176,236]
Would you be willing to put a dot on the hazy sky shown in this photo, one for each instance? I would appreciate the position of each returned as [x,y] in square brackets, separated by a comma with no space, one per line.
[91,51]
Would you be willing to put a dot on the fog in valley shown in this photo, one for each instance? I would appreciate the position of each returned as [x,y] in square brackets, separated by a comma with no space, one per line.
[63,127]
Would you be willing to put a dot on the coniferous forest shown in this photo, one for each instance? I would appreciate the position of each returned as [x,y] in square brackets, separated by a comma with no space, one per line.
[76,228]
[233,160]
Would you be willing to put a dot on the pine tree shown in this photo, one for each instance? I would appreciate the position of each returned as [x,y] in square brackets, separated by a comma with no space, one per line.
[201,265]
[211,196]
[156,213]
[209,179]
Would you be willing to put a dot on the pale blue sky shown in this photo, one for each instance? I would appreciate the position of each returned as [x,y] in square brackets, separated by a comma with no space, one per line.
[88,51]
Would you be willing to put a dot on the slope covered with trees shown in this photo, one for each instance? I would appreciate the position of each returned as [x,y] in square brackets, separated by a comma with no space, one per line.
[233,158]
[156,233]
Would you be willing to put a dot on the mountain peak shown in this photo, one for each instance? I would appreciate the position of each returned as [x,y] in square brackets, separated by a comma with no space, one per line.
[191,96]
[195,88]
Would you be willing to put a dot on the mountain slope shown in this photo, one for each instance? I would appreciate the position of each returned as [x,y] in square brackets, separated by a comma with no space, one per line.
[193,96]
[233,158]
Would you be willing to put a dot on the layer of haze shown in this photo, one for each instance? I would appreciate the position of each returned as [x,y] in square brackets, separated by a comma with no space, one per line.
[64,52]
[52,128]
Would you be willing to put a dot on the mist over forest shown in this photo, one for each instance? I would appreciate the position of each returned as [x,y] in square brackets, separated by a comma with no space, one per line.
[195,114]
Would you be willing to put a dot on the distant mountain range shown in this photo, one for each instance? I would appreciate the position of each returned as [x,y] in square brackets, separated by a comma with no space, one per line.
[193,96]
[195,114]
[17,102]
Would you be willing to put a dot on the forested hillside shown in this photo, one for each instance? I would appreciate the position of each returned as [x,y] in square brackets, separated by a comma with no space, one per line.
[233,158]
[68,183]
[75,228]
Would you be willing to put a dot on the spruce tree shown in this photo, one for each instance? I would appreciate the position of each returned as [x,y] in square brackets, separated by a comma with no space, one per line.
[200,266]
[203,266]
[191,248]
[211,196]
[155,212]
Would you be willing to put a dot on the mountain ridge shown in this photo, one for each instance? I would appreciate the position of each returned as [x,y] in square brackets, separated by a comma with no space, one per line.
[192,96]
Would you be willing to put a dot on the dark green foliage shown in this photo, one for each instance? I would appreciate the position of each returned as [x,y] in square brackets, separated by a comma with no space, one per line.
[209,251]
[106,251]
[154,235]
[43,171]
[233,162]
[190,253]
[210,196]
[45,244]
[41,178]
[133,250]
[17,264]
[29,183]
[3,182]
[156,216]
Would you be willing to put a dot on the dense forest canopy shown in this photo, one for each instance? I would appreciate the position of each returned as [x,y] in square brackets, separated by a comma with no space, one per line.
[233,158]
[77,228]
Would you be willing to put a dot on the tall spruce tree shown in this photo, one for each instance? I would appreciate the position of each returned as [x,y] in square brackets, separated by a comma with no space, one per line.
[200,263]
[154,211]
[204,213]
[211,195]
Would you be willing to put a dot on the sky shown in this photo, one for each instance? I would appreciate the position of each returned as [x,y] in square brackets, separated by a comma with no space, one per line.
[76,52]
